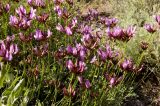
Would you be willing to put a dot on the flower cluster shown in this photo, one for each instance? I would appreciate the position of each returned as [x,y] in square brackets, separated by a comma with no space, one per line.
[4,8]
[70,22]
[105,54]
[84,82]
[109,22]
[40,35]
[69,92]
[151,28]
[113,80]
[42,18]
[8,49]
[24,19]
[68,29]
[36,3]
[121,34]
[89,40]
[79,51]
[77,67]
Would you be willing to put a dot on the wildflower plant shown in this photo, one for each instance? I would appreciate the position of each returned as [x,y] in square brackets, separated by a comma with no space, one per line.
[56,56]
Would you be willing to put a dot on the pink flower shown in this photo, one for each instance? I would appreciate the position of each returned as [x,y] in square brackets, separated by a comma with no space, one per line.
[70,65]
[8,49]
[68,31]
[69,49]
[59,27]
[130,31]
[57,2]
[58,10]
[40,35]
[36,3]
[80,79]
[113,80]
[87,84]
[157,18]
[13,21]
[127,65]
[110,22]
[77,67]
[150,28]
[7,7]
[32,13]
[74,22]
[21,11]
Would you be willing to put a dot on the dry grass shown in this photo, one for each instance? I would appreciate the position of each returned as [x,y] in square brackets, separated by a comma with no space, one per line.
[103,6]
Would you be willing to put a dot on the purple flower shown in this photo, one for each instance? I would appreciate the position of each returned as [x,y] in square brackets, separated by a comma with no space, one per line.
[36,3]
[59,27]
[25,38]
[7,7]
[58,10]
[94,59]
[13,49]
[43,18]
[127,65]
[8,49]
[25,24]
[80,79]
[21,11]
[102,54]
[157,18]
[69,49]
[76,68]
[10,38]
[70,65]
[82,54]
[118,32]
[109,51]
[57,2]
[49,33]
[113,80]
[32,13]
[109,32]
[68,31]
[111,22]
[74,51]
[30,2]
[87,84]
[39,35]
[13,21]
[74,22]
[150,28]
[40,3]
[93,13]
[107,54]
[8,56]
[72,91]
[86,30]
[130,31]
[2,49]
[82,66]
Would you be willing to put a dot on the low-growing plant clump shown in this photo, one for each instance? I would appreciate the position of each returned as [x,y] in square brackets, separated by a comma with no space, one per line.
[51,54]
